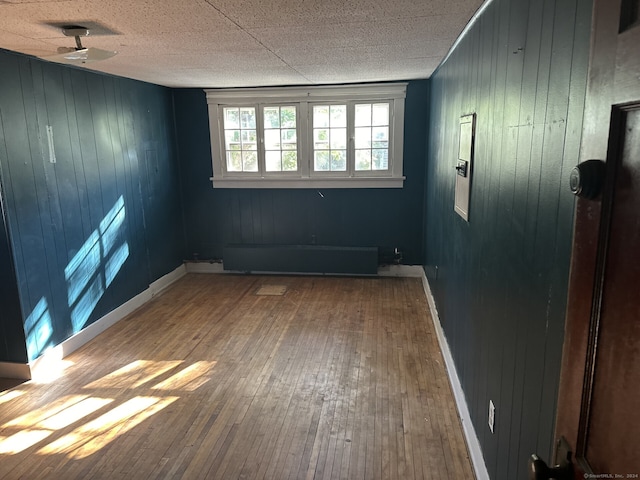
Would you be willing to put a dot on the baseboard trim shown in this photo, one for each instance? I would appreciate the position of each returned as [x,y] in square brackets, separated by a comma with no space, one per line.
[167,280]
[473,444]
[204,267]
[20,371]
[415,271]
[87,334]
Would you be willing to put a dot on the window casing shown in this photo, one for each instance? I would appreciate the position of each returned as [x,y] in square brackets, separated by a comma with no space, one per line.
[313,137]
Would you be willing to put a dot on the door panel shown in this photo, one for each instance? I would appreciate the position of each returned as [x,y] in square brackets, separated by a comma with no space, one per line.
[600,376]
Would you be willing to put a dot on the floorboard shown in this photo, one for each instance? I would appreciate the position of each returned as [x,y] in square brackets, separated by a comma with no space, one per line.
[336,378]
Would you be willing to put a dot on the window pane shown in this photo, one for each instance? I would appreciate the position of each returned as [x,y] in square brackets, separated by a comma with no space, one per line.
[234,161]
[338,115]
[338,138]
[271,117]
[338,160]
[232,139]
[288,117]
[380,159]
[250,161]
[363,137]
[321,160]
[231,117]
[380,137]
[290,161]
[321,139]
[380,114]
[247,118]
[289,139]
[363,159]
[363,115]
[272,139]
[249,140]
[320,116]
[272,161]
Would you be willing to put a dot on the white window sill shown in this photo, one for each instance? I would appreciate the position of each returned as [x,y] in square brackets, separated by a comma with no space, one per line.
[315,182]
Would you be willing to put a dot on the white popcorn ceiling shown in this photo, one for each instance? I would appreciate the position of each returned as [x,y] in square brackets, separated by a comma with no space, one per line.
[242,43]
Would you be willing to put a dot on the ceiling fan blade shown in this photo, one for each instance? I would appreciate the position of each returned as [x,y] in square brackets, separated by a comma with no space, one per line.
[84,55]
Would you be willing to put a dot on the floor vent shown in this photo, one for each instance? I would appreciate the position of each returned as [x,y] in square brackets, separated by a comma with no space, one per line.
[274,290]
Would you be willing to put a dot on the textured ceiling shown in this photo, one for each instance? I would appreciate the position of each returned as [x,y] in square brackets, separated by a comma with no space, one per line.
[239,43]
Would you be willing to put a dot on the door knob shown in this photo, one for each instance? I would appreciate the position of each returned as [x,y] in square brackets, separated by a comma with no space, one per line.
[539,470]
[587,179]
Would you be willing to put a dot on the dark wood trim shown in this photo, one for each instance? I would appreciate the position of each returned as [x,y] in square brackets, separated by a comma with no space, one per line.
[617,121]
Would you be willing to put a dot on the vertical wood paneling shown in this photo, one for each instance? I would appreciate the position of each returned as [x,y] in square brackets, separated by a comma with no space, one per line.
[500,280]
[384,218]
[114,139]
[12,341]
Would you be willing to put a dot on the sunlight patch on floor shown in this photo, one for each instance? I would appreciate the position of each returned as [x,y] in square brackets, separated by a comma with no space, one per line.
[87,438]
[10,395]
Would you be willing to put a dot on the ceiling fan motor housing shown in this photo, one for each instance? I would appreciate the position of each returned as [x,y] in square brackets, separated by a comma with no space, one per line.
[75,31]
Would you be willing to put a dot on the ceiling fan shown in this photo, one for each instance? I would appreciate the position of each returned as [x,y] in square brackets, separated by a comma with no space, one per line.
[79,54]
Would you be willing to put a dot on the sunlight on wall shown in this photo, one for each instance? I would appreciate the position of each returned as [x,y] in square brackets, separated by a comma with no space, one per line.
[92,270]
[88,274]
[38,328]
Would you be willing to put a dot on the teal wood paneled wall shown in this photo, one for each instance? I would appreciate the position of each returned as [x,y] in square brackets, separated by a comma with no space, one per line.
[96,227]
[12,340]
[500,281]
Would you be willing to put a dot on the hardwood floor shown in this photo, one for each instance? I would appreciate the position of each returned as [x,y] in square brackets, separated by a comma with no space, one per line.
[336,378]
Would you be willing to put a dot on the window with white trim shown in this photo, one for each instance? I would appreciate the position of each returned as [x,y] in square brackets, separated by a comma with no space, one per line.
[308,137]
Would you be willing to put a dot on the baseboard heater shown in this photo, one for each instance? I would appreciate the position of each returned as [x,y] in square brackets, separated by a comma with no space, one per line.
[301,259]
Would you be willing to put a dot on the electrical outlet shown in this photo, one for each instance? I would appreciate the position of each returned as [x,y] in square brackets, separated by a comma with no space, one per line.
[492,415]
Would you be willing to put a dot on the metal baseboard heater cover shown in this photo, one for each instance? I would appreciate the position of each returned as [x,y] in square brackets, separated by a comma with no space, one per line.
[301,259]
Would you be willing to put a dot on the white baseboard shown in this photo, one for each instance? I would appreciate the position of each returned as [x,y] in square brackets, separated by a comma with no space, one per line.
[204,267]
[473,444]
[21,371]
[71,344]
[415,271]
[167,280]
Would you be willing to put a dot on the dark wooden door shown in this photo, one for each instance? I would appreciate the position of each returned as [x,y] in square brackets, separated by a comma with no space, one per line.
[599,398]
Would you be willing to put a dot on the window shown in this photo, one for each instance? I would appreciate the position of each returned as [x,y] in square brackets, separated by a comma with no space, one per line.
[280,139]
[243,132]
[342,137]
[372,136]
[329,138]
[240,139]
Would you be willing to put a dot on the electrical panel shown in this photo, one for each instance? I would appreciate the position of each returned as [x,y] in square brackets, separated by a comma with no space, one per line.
[464,165]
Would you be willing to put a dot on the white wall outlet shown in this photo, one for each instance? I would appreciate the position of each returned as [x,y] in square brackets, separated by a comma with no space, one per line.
[492,415]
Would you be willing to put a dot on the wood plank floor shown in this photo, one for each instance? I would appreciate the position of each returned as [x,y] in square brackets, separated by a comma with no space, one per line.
[338,378]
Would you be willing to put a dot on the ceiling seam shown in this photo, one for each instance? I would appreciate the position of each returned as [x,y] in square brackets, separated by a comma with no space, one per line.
[258,41]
